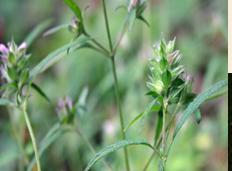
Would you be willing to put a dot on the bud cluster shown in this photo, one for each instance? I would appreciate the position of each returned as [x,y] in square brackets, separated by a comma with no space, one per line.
[65,109]
[14,68]
[167,76]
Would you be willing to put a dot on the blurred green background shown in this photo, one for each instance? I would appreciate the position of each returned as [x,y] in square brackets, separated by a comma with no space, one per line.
[200,27]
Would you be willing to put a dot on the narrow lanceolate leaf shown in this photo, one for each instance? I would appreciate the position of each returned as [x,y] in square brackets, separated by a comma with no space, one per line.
[114,147]
[55,29]
[193,106]
[40,91]
[36,32]
[56,55]
[159,125]
[75,8]
[141,115]
[5,102]
[144,20]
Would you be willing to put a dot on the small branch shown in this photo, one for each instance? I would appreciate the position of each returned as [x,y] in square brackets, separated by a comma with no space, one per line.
[112,55]
[120,112]
[107,25]
[104,50]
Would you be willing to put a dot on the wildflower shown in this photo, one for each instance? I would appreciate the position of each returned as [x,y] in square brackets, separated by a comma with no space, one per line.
[65,110]
[4,54]
[3,49]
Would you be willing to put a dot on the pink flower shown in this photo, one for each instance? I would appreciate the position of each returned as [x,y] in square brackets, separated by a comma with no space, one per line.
[4,53]
[3,49]
[68,102]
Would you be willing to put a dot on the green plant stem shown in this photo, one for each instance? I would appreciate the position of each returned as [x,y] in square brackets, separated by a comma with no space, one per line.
[163,126]
[24,106]
[120,113]
[160,139]
[17,134]
[149,161]
[104,50]
[107,25]
[112,55]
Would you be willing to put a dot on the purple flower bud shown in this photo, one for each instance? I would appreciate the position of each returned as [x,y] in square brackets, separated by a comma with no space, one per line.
[69,102]
[3,49]
[60,105]
[64,105]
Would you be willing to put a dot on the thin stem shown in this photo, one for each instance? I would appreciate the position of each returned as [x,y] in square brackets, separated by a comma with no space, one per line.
[160,139]
[163,126]
[17,132]
[116,85]
[120,113]
[149,161]
[104,50]
[107,26]
[24,106]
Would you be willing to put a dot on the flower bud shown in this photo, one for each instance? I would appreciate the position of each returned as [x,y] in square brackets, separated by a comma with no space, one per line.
[3,49]
[74,26]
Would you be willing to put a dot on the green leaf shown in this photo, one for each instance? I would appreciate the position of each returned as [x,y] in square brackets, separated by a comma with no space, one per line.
[56,55]
[197,115]
[159,125]
[141,115]
[24,76]
[195,104]
[36,32]
[75,8]
[55,29]
[218,94]
[114,147]
[166,78]
[5,102]
[41,92]
[143,20]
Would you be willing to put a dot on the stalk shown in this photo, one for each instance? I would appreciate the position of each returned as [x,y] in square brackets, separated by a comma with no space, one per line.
[120,114]
[31,135]
[112,56]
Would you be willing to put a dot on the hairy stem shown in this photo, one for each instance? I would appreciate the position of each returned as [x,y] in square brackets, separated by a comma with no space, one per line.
[24,106]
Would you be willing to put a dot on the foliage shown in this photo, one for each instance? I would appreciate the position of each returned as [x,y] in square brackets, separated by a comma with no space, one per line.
[171,90]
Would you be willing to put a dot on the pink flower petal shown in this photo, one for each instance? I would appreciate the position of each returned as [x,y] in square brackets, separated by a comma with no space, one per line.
[3,49]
